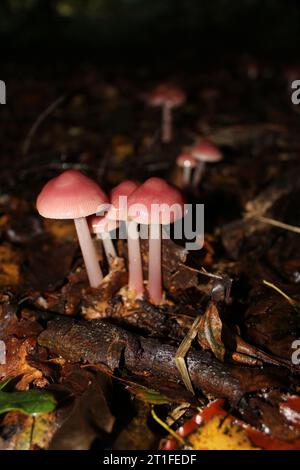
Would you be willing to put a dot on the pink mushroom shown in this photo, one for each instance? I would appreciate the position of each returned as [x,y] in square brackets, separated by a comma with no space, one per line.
[102,226]
[73,195]
[204,152]
[187,162]
[155,203]
[167,96]
[119,200]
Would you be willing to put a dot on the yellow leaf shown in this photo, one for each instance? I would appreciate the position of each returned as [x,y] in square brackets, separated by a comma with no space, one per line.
[220,434]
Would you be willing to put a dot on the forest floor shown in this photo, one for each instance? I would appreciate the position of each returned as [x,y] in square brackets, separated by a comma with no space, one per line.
[107,365]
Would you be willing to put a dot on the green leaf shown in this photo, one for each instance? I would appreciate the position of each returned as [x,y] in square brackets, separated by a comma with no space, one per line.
[4,383]
[149,395]
[30,402]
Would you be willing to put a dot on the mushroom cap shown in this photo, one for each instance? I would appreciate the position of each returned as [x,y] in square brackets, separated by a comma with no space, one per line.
[70,195]
[119,204]
[186,160]
[206,151]
[102,224]
[156,202]
[167,94]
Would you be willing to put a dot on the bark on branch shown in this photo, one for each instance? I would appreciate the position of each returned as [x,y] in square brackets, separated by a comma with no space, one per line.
[121,352]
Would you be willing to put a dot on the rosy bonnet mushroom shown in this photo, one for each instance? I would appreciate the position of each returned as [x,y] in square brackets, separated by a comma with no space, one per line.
[72,195]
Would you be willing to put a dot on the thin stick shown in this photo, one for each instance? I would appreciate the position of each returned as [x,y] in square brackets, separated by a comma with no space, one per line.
[167,428]
[277,223]
[202,271]
[269,284]
[292,302]
[38,122]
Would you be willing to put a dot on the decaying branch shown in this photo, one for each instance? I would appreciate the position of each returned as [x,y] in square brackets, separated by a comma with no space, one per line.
[146,360]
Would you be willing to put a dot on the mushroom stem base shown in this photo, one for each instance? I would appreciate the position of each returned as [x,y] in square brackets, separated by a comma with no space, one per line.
[199,170]
[187,172]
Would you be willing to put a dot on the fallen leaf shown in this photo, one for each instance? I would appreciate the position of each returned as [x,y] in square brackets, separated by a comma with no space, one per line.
[210,332]
[29,402]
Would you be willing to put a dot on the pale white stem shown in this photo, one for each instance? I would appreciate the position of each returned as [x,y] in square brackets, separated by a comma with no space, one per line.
[155,268]
[108,246]
[199,170]
[166,124]
[88,252]
[186,177]
[135,270]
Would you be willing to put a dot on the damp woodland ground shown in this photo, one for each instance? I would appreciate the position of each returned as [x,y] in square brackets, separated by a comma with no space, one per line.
[106,364]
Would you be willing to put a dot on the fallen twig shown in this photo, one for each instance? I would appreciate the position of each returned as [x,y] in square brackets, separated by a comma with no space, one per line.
[39,121]
[277,223]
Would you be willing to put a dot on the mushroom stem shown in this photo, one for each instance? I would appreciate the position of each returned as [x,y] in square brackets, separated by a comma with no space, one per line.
[166,124]
[155,268]
[199,170]
[88,252]
[135,282]
[186,177]
[108,246]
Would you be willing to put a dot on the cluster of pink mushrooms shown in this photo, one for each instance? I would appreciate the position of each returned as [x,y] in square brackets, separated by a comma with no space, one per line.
[193,160]
[72,195]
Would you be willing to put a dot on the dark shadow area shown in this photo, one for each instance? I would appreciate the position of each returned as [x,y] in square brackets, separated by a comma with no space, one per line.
[148,31]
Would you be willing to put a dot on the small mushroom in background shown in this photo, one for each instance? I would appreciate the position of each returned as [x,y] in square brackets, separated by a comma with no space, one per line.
[204,152]
[72,195]
[119,197]
[167,96]
[102,226]
[155,203]
[186,163]
[250,67]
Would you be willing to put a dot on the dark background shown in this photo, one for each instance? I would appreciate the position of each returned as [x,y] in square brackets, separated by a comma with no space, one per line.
[145,30]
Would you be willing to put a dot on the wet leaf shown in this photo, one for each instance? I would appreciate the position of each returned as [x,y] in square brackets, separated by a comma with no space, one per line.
[149,396]
[88,416]
[9,266]
[210,332]
[17,364]
[30,402]
[4,383]
[25,432]
[291,409]
[214,428]
[220,434]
